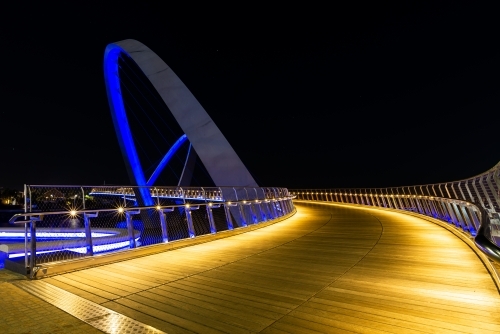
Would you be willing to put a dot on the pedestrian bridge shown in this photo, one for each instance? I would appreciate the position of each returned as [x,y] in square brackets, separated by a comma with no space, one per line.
[240,258]
[330,268]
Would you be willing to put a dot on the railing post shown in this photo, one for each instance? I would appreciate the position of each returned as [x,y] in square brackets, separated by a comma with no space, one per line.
[130,227]
[432,208]
[476,217]
[88,232]
[229,221]
[263,214]
[211,218]
[274,212]
[83,198]
[26,265]
[258,202]
[454,218]
[189,220]
[468,222]
[163,222]
[240,210]
[32,248]
[242,215]
[459,217]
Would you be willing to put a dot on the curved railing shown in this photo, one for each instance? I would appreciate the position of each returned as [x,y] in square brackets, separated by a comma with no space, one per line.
[472,205]
[62,223]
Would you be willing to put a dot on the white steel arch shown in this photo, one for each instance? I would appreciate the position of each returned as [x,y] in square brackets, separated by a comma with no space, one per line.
[215,152]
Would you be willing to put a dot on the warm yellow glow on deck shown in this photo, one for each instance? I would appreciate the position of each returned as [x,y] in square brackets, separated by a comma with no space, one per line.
[330,267]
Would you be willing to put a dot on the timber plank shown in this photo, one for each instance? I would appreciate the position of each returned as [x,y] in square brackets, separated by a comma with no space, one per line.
[194,317]
[303,324]
[266,298]
[74,290]
[342,322]
[405,308]
[137,282]
[98,284]
[272,330]
[399,326]
[235,286]
[224,314]
[261,315]
[166,316]
[105,280]
[408,305]
[330,268]
[146,318]
[427,302]
[413,295]
[394,312]
[86,288]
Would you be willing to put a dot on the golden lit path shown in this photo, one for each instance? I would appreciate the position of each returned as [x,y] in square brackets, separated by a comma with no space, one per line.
[328,269]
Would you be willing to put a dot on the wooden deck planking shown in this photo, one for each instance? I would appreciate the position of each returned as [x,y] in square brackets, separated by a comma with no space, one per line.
[220,305]
[330,268]
[218,297]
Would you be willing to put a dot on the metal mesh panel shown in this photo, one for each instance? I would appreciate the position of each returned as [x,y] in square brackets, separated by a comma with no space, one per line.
[250,216]
[75,221]
[200,221]
[451,202]
[219,219]
[177,224]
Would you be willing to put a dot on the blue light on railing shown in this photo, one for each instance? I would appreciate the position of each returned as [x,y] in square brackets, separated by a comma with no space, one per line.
[83,250]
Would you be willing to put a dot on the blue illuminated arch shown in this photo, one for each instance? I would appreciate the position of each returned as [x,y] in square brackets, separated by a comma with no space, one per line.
[120,121]
[166,159]
[219,158]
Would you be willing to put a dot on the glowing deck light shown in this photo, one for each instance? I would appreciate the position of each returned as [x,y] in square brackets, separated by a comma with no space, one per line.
[120,210]
[72,213]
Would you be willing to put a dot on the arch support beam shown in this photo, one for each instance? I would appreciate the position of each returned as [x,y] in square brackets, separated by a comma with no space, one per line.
[215,152]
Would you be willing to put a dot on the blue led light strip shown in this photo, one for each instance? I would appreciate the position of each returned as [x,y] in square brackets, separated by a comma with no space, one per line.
[120,120]
[83,250]
[166,159]
[122,127]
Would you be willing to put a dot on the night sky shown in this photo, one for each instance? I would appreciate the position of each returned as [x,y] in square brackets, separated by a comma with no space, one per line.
[361,95]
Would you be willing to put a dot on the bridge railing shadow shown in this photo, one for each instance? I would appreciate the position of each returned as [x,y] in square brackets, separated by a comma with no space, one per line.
[471,205]
[64,223]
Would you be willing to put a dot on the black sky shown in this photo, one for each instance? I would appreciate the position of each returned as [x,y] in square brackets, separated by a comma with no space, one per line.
[362,94]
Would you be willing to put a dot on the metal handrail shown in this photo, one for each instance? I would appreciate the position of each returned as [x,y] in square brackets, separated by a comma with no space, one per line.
[13,219]
[482,238]
[30,219]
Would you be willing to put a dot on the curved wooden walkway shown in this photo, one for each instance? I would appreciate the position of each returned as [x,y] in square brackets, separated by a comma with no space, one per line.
[328,269]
